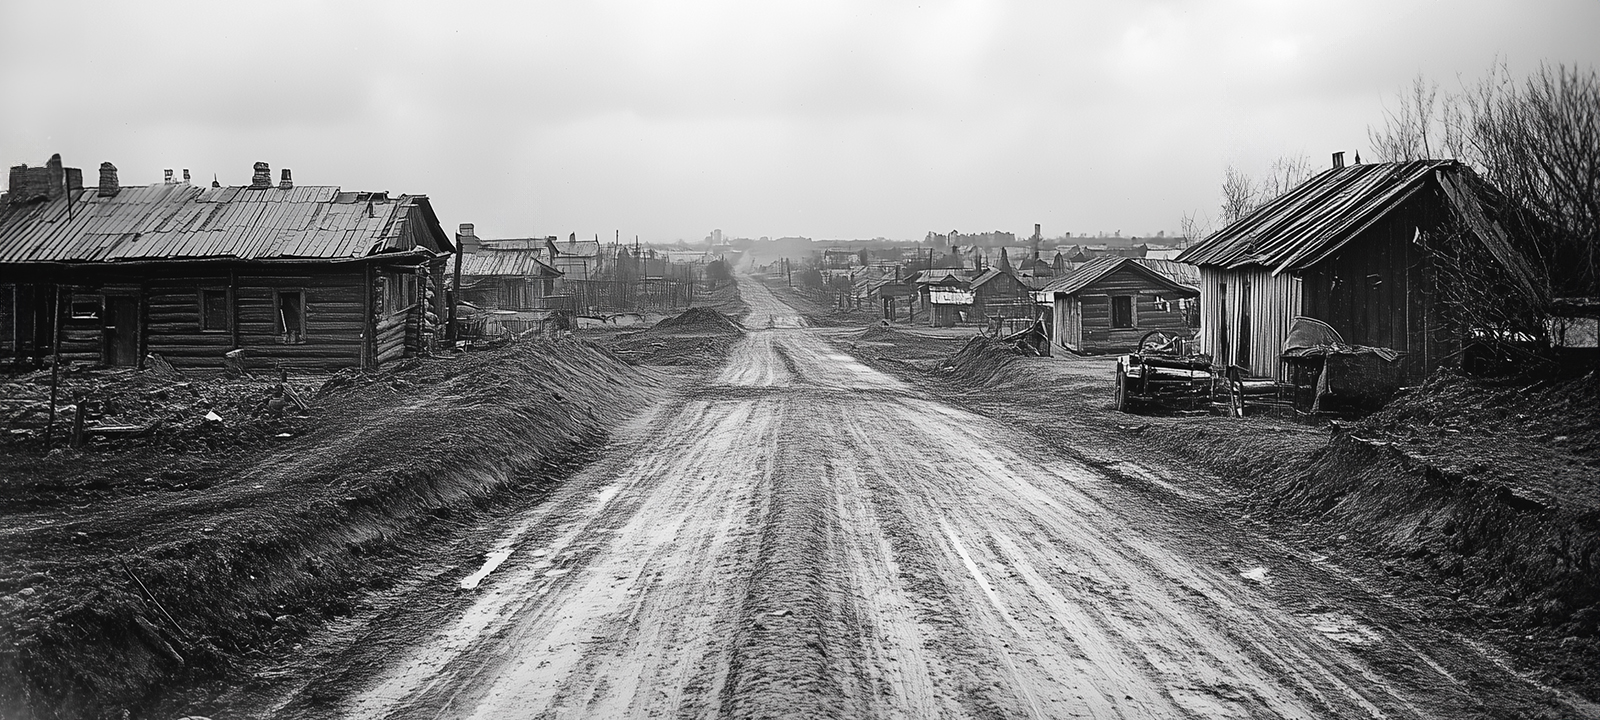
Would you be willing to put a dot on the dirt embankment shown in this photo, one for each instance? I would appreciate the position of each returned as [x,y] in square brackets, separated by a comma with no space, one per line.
[133,566]
[1477,504]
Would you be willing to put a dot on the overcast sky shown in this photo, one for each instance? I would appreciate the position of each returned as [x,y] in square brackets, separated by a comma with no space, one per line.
[818,118]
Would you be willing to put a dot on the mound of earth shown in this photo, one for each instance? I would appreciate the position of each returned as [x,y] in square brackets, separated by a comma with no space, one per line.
[130,565]
[878,330]
[698,321]
[983,361]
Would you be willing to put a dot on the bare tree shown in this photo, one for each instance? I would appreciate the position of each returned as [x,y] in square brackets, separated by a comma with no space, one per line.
[1195,227]
[1414,129]
[1286,173]
[1539,143]
[1239,194]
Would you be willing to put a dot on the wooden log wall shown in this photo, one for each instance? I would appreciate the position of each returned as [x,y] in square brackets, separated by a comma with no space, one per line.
[334,320]
[1148,315]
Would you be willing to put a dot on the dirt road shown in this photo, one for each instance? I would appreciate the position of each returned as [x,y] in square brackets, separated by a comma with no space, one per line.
[808,537]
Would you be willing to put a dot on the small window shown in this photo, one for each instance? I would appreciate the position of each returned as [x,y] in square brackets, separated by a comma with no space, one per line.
[400,291]
[215,314]
[1122,311]
[85,306]
[291,316]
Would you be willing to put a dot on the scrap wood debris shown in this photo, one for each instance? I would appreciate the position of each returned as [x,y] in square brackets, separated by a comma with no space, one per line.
[167,409]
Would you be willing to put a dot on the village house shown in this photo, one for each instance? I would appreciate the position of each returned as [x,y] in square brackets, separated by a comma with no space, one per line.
[1109,303]
[575,259]
[299,276]
[998,292]
[505,284]
[1345,248]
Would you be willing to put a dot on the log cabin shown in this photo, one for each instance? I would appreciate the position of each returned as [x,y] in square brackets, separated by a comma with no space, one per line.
[1346,248]
[296,276]
[1107,304]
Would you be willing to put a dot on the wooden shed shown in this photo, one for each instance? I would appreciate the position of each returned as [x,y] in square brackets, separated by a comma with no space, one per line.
[998,292]
[302,276]
[1107,304]
[1345,247]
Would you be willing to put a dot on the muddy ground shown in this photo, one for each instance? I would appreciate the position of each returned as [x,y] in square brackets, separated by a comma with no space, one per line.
[1472,504]
[779,519]
[808,530]
[209,548]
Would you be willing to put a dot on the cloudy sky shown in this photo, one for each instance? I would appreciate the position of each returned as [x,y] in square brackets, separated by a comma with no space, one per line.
[823,118]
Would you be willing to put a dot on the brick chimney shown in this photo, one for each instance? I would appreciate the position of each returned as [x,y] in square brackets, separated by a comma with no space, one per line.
[186,176]
[1338,160]
[108,180]
[166,177]
[468,238]
[286,182]
[262,177]
[48,182]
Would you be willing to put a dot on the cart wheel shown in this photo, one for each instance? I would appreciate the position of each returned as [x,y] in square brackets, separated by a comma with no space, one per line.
[1120,398]
[1158,341]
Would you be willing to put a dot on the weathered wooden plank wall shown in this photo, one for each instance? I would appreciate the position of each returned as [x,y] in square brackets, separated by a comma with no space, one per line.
[1273,303]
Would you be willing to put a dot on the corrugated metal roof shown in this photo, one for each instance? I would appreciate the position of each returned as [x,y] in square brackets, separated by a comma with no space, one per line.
[502,263]
[1312,222]
[1317,217]
[541,244]
[1180,273]
[1100,267]
[180,221]
[578,248]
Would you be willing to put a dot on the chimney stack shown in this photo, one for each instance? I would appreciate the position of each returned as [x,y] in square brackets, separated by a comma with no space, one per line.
[467,238]
[108,180]
[262,177]
[186,176]
[1338,160]
[166,176]
[286,182]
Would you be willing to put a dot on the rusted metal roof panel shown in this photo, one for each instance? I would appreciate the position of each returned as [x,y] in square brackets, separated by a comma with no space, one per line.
[185,221]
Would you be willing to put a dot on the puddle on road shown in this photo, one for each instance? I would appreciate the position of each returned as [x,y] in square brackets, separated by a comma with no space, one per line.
[502,550]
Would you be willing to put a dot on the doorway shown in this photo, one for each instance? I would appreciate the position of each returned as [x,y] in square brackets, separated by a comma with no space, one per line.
[121,330]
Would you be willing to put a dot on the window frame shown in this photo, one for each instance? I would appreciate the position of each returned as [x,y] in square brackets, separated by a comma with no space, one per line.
[1133,312]
[76,299]
[227,306]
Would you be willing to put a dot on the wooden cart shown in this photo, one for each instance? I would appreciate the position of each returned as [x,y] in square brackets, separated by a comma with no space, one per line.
[1166,372]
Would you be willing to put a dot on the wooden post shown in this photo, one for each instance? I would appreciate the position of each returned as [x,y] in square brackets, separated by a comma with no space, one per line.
[450,331]
[55,372]
[78,399]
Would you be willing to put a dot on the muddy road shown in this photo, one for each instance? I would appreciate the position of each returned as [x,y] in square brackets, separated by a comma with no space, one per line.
[808,537]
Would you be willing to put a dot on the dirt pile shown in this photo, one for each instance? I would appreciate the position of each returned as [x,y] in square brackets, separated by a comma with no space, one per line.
[698,337]
[697,320]
[164,566]
[983,361]
[879,331]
